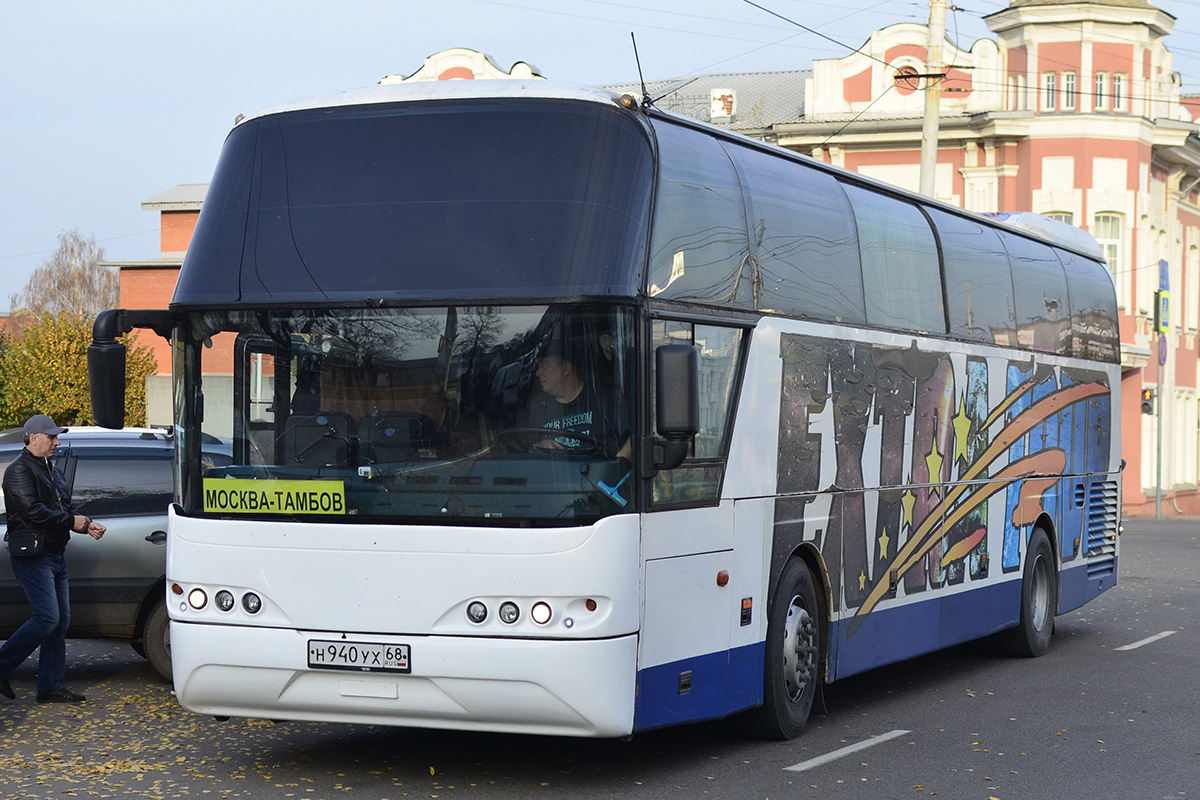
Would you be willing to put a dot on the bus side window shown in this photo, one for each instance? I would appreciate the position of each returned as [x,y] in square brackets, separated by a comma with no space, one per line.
[1043,305]
[979,287]
[699,243]
[804,240]
[698,480]
[1094,332]
[900,271]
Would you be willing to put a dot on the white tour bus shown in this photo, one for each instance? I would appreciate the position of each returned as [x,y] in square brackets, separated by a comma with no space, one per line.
[554,413]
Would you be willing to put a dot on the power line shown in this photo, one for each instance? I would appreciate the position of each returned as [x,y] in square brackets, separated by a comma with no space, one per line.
[100,241]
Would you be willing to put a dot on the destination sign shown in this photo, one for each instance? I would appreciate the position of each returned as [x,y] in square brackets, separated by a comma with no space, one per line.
[240,496]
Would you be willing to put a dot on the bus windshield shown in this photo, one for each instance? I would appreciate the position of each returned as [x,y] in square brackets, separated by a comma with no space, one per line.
[485,414]
[433,203]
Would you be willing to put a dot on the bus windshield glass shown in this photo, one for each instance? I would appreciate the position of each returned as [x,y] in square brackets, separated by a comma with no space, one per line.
[483,415]
[432,202]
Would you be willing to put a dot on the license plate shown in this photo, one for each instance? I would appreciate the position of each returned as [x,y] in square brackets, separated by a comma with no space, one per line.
[358,656]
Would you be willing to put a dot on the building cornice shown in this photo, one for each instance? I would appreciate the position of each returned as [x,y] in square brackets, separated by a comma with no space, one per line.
[165,261]
[1038,14]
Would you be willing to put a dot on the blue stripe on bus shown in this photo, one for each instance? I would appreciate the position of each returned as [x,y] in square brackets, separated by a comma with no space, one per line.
[895,634]
[721,684]
[726,682]
[1076,587]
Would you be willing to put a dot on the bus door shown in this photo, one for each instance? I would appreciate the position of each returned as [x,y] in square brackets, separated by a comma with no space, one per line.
[683,654]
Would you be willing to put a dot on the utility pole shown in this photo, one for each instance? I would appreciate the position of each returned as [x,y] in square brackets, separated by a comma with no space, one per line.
[933,94]
[1158,440]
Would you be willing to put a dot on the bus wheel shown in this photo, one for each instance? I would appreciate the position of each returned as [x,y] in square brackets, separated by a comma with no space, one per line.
[792,671]
[157,640]
[1039,593]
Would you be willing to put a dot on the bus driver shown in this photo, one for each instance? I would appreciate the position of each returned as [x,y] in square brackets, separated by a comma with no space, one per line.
[567,402]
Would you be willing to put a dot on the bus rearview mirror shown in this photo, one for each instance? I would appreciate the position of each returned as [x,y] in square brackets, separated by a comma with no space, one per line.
[677,403]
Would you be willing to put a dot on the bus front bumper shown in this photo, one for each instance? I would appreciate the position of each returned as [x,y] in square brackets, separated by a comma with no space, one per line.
[553,687]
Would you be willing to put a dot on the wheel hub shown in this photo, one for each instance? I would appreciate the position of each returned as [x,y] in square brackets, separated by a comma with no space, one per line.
[799,649]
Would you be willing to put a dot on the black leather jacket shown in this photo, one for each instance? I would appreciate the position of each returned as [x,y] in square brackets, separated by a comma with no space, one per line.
[35,498]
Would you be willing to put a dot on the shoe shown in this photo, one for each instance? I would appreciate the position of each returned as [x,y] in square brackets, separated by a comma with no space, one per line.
[6,689]
[59,696]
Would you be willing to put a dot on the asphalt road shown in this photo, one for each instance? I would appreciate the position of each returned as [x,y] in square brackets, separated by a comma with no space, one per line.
[1110,712]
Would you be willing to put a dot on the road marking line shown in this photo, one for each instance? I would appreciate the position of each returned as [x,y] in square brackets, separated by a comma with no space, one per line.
[845,751]
[1146,641]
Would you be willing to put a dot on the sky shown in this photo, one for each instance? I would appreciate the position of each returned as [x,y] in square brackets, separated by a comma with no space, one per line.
[104,105]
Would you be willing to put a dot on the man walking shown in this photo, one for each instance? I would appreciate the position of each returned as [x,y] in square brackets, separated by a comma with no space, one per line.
[41,519]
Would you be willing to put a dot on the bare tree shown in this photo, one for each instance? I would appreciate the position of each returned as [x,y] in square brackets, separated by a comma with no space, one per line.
[70,282]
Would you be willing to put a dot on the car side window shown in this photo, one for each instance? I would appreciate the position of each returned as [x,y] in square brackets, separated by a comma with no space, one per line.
[123,486]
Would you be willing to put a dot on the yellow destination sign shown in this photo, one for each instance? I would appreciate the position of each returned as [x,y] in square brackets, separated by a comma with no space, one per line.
[237,496]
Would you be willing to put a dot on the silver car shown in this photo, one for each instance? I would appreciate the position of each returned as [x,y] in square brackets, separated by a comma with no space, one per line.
[125,479]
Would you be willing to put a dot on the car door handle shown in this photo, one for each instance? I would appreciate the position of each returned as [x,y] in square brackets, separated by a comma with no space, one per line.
[158,537]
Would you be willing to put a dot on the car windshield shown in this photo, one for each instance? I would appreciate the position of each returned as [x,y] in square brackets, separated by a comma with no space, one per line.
[506,415]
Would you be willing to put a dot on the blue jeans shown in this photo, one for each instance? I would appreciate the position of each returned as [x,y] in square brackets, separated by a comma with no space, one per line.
[44,579]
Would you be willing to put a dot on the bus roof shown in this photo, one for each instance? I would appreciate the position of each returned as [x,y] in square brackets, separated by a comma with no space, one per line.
[1042,228]
[444,90]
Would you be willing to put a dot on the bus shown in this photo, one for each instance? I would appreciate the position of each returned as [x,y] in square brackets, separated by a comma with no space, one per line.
[554,413]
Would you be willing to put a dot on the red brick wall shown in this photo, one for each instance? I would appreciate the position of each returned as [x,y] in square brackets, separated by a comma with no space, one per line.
[176,230]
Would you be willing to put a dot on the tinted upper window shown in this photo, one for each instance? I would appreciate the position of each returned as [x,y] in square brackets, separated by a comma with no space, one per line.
[1043,305]
[901,276]
[803,236]
[1094,330]
[448,200]
[699,246]
[979,290]
[123,485]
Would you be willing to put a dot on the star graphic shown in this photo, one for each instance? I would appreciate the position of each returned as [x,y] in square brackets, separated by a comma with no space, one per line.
[883,543]
[907,501]
[862,581]
[962,430]
[933,460]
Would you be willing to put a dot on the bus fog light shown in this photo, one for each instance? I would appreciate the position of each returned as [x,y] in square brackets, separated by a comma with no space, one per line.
[568,623]
[476,612]
[540,613]
[224,600]
[251,602]
[197,599]
[509,613]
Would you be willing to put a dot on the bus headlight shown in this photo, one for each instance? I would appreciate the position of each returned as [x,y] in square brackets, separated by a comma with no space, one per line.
[509,613]
[224,599]
[476,612]
[197,599]
[251,602]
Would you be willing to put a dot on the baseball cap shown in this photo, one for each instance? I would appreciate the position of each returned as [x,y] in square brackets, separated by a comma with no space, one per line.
[40,423]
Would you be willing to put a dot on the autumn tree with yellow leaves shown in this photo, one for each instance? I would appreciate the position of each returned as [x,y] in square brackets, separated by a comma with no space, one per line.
[45,370]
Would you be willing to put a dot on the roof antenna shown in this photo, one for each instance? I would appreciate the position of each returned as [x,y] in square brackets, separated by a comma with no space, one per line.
[646,101]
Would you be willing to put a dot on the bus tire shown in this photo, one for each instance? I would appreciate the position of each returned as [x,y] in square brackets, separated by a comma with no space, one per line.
[1039,595]
[157,639]
[792,663]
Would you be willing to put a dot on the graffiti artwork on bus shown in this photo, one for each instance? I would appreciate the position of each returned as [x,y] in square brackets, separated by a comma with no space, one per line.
[928,462]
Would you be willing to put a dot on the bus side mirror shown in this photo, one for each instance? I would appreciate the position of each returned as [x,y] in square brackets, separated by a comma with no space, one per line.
[106,371]
[677,406]
[106,359]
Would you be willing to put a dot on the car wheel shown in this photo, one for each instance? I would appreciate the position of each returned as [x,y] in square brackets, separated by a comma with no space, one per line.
[157,640]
